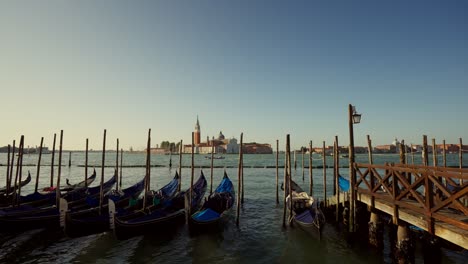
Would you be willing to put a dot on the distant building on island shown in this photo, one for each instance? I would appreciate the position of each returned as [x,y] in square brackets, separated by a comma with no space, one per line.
[221,145]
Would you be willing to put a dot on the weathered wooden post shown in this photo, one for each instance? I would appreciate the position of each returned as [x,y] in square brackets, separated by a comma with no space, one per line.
[404,249]
[180,165]
[444,154]
[147,173]
[211,175]
[7,188]
[57,189]
[121,165]
[288,150]
[192,174]
[285,185]
[242,171]
[311,179]
[460,157]
[336,180]
[375,225]
[425,157]
[18,184]
[117,167]
[38,165]
[69,159]
[324,176]
[434,153]
[239,172]
[103,164]
[52,163]
[303,177]
[277,172]
[86,164]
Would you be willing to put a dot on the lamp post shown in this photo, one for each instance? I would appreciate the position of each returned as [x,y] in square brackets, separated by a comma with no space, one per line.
[354,118]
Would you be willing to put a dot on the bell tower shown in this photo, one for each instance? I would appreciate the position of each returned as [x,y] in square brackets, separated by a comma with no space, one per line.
[196,134]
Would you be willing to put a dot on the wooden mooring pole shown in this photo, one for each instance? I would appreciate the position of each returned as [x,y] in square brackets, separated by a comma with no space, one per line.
[21,154]
[52,162]
[57,189]
[444,154]
[69,159]
[117,167]
[352,179]
[180,165]
[103,164]
[336,187]
[425,157]
[303,177]
[239,178]
[121,165]
[285,186]
[148,164]
[434,153]
[211,169]
[324,176]
[311,179]
[86,163]
[288,150]
[277,172]
[192,174]
[38,165]
[460,157]
[7,188]
[242,170]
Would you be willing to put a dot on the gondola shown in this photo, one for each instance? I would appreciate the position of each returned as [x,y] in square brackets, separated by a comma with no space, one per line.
[22,184]
[159,219]
[27,216]
[70,187]
[94,219]
[43,198]
[305,211]
[214,210]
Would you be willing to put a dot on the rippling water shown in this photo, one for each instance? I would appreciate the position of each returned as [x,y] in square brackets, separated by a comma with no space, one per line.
[260,237]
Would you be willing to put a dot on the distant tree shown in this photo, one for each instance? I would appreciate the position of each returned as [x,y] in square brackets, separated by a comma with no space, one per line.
[172,146]
[165,145]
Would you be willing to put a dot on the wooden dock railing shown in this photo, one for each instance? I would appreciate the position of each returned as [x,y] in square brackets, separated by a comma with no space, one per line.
[434,193]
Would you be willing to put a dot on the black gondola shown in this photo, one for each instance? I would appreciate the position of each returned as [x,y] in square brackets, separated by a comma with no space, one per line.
[214,210]
[22,184]
[27,216]
[160,219]
[94,219]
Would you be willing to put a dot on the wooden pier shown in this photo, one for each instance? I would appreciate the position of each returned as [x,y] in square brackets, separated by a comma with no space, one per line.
[431,198]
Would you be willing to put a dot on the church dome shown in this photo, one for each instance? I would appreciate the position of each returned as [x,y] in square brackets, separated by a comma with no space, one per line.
[221,136]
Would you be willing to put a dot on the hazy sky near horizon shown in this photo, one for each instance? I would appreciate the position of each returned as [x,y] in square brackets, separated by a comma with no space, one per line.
[265,68]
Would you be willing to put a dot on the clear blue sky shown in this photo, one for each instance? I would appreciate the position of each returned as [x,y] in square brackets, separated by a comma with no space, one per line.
[265,68]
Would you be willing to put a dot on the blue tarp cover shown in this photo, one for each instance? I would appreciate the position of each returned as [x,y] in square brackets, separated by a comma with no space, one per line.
[344,183]
[206,215]
[224,186]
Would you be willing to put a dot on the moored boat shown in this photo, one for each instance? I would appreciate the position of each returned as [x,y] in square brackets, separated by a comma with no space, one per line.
[215,209]
[162,218]
[305,211]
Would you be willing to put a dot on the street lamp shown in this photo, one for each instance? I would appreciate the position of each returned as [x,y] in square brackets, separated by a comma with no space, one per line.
[354,118]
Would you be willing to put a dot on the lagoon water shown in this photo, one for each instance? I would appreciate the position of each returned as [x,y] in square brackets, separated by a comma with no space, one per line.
[260,237]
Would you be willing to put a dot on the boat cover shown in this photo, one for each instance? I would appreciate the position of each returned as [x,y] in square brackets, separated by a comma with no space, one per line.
[224,186]
[344,183]
[206,215]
